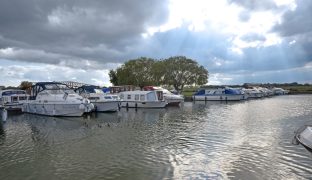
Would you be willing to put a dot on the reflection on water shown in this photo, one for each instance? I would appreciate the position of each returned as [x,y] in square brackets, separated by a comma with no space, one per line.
[212,140]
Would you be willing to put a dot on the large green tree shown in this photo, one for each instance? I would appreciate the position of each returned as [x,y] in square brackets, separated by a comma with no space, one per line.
[181,71]
[136,72]
[113,77]
[176,71]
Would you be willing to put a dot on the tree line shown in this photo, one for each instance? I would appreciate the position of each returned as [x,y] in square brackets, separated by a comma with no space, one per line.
[176,71]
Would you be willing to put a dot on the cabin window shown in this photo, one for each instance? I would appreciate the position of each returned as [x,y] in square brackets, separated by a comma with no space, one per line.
[129,96]
[108,97]
[151,96]
[142,97]
[136,97]
[93,98]
[14,98]
[22,98]
[159,95]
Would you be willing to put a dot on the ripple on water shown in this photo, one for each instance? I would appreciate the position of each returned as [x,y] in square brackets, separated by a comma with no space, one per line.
[212,140]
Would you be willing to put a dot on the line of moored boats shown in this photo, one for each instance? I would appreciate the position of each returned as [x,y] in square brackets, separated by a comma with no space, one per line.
[57,99]
[236,94]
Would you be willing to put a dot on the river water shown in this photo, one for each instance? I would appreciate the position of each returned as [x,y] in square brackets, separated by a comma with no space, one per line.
[213,140]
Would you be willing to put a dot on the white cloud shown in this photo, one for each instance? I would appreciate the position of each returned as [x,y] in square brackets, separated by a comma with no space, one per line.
[12,75]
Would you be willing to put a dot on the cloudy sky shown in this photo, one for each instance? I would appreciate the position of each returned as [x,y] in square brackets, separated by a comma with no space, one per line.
[238,41]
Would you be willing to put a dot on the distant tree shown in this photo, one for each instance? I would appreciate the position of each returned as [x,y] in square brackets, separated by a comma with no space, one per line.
[181,71]
[113,77]
[25,85]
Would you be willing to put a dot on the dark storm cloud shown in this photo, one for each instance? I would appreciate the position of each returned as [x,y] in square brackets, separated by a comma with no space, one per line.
[213,50]
[296,22]
[296,27]
[93,30]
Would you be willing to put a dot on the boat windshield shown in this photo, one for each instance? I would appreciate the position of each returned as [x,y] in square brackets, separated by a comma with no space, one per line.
[98,91]
[165,91]
[58,89]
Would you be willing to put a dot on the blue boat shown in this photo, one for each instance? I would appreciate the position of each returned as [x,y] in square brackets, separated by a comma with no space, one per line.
[219,94]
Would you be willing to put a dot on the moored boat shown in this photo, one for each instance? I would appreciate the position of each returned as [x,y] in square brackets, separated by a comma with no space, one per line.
[12,99]
[55,99]
[220,94]
[303,136]
[170,98]
[279,91]
[142,99]
[253,93]
[103,102]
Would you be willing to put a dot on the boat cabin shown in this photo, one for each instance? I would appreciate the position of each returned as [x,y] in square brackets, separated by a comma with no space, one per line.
[94,93]
[49,88]
[12,96]
[142,96]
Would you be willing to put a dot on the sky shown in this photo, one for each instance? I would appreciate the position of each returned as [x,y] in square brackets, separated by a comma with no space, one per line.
[238,41]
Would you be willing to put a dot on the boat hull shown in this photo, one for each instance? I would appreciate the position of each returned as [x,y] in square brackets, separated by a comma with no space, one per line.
[53,109]
[13,106]
[223,97]
[108,106]
[304,137]
[139,104]
[174,102]
[255,95]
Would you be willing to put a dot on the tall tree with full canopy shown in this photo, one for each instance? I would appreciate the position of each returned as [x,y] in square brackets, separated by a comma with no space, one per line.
[181,71]
[136,72]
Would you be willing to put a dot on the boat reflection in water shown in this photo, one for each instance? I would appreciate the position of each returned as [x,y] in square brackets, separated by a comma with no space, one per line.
[201,140]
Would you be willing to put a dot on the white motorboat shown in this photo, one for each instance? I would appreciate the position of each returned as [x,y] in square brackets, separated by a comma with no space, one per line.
[12,99]
[303,136]
[142,99]
[102,102]
[170,98]
[279,91]
[265,91]
[56,99]
[253,93]
[220,94]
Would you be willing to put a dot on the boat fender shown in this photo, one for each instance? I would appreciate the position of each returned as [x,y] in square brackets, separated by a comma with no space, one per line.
[86,101]
[91,106]
[4,115]
[81,107]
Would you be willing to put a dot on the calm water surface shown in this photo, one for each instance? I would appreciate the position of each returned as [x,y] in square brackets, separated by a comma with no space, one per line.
[241,140]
